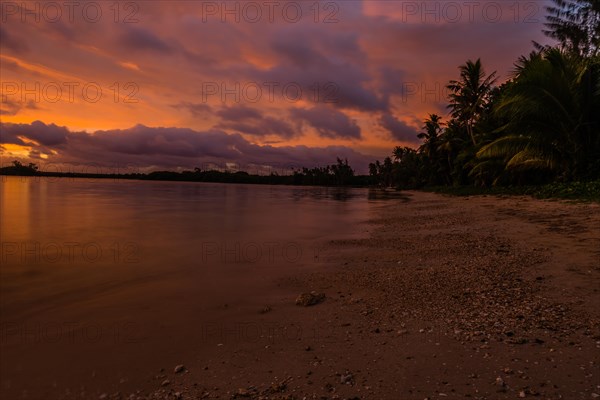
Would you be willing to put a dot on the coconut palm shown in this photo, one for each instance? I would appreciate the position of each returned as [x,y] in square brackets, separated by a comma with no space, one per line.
[453,141]
[552,107]
[431,134]
[470,95]
[432,163]
[575,24]
[399,152]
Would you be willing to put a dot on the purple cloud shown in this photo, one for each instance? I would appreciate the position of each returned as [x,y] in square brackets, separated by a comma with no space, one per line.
[10,42]
[399,130]
[199,110]
[161,147]
[238,113]
[250,121]
[134,38]
[47,135]
[328,122]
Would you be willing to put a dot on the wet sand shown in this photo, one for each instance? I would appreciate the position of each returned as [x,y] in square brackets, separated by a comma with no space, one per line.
[447,297]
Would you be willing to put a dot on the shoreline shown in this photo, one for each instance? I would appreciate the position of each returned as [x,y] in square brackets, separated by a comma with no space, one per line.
[579,191]
[448,297]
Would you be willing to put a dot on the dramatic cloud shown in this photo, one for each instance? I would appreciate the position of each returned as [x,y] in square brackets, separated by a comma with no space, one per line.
[328,122]
[48,135]
[261,127]
[250,121]
[358,73]
[146,147]
[328,66]
[399,130]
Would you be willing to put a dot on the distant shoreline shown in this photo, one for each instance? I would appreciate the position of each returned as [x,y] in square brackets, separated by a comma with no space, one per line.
[205,177]
[577,191]
[340,174]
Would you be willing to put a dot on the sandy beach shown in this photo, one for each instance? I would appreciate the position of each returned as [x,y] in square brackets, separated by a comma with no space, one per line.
[444,297]
[480,297]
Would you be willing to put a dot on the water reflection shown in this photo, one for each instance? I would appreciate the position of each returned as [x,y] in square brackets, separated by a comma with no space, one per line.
[58,234]
[79,239]
[162,257]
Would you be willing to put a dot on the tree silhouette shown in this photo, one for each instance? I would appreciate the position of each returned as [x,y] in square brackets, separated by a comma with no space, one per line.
[575,24]
[553,106]
[470,95]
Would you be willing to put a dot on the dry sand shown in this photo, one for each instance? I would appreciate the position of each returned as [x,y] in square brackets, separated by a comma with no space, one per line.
[477,298]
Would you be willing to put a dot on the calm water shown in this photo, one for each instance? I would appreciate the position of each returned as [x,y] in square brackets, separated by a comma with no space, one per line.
[79,238]
[129,262]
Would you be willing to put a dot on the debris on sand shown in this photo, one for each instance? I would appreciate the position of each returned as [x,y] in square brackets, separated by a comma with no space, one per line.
[310,299]
[179,369]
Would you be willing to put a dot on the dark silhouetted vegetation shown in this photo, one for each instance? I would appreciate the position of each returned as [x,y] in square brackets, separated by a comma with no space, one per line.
[338,174]
[578,191]
[541,127]
[20,169]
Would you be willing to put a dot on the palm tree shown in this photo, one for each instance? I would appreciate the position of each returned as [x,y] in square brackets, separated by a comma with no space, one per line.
[470,94]
[432,130]
[406,170]
[451,143]
[553,120]
[575,24]
[374,168]
[398,153]
[431,133]
[342,172]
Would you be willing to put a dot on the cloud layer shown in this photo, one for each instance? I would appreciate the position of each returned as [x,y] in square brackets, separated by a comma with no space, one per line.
[300,79]
[155,148]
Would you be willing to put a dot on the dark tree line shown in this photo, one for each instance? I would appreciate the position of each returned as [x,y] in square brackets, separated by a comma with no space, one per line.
[542,125]
[21,169]
[338,174]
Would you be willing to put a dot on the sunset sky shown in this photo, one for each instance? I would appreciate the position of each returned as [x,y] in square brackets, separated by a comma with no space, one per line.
[179,84]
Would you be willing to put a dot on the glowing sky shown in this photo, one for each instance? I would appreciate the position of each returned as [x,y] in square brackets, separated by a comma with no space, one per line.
[182,83]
